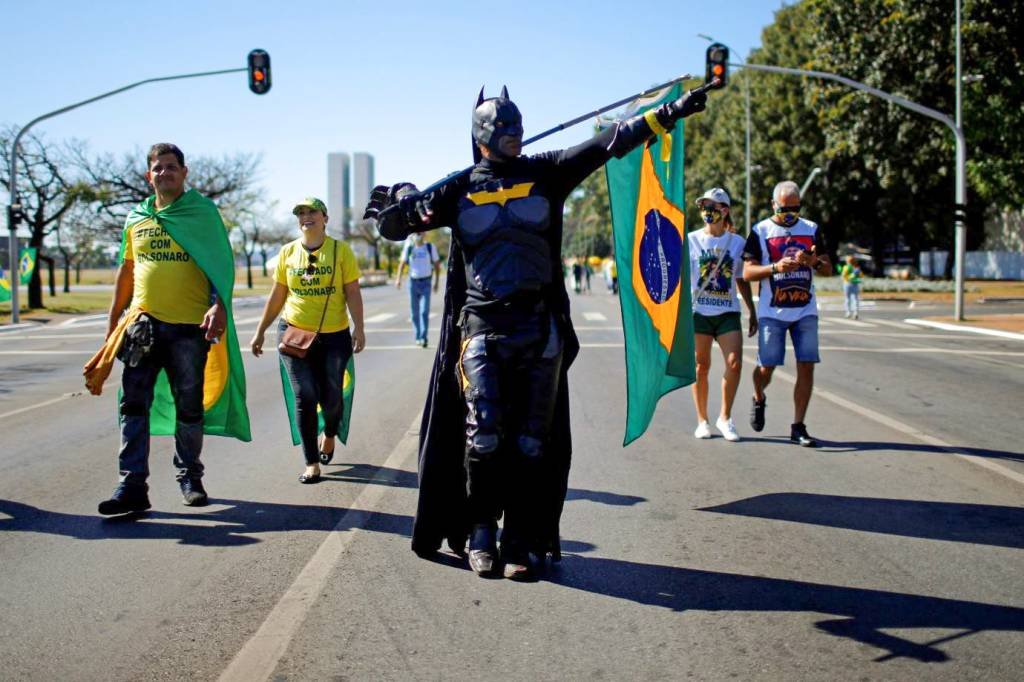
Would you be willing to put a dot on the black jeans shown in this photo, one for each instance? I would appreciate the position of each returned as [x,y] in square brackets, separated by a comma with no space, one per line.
[181,350]
[317,380]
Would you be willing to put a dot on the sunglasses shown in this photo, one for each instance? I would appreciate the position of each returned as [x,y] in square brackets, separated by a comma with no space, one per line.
[787,209]
[311,268]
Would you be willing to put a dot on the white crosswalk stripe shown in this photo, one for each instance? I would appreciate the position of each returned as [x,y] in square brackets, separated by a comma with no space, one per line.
[594,317]
[380,317]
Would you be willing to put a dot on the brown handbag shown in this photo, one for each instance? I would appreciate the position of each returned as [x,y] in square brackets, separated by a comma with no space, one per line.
[297,342]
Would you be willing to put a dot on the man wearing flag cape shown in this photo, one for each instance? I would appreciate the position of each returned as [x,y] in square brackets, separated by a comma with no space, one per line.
[495,435]
[183,371]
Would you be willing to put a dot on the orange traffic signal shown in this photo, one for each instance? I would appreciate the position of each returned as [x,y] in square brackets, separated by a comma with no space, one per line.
[259,71]
[716,62]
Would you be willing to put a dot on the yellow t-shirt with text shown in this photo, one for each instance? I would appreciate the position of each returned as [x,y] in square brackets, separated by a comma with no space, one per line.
[168,283]
[308,288]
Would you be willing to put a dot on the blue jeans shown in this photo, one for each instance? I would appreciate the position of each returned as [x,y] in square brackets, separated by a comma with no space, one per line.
[851,297]
[317,380]
[180,350]
[771,340]
[419,298]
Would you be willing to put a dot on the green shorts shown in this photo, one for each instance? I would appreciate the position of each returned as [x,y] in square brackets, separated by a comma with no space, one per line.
[716,325]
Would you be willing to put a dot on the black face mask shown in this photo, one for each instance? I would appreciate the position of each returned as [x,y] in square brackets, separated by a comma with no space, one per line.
[495,118]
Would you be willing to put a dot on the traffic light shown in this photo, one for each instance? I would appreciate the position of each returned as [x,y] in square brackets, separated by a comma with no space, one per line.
[716,62]
[259,71]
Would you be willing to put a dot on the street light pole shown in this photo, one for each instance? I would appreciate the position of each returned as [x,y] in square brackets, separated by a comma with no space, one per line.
[810,178]
[746,154]
[961,156]
[14,208]
[960,210]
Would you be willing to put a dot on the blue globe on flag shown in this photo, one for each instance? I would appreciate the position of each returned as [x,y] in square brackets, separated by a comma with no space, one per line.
[661,255]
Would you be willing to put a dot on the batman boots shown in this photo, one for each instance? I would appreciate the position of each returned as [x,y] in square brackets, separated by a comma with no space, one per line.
[483,550]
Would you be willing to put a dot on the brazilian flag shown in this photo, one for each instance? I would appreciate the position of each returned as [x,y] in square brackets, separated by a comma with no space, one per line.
[348,390]
[646,194]
[5,285]
[27,263]
[194,222]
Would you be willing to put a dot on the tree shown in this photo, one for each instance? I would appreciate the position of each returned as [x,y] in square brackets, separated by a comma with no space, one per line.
[47,190]
[587,225]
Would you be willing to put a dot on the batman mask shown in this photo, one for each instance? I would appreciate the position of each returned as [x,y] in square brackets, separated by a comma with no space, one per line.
[495,118]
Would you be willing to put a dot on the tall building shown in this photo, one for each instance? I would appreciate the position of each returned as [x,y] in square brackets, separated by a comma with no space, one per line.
[338,196]
[362,184]
[362,181]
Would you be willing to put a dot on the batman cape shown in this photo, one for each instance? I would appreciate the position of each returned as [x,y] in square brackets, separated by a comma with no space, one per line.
[442,512]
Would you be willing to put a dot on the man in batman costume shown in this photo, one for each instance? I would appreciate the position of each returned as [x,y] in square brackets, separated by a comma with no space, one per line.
[495,433]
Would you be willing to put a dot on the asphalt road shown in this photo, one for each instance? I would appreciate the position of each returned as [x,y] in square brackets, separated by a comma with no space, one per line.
[892,552]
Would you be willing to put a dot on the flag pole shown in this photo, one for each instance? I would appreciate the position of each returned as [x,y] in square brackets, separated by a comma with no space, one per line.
[562,126]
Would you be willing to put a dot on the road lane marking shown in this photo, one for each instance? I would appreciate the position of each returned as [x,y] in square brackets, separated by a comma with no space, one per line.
[259,657]
[906,429]
[88,351]
[88,320]
[963,328]
[51,401]
[595,317]
[851,323]
[893,323]
[380,317]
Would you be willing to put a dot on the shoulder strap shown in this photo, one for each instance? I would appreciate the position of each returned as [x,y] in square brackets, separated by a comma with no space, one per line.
[330,287]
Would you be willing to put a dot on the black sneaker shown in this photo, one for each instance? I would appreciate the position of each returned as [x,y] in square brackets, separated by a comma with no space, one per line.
[757,414]
[192,492]
[798,434]
[125,500]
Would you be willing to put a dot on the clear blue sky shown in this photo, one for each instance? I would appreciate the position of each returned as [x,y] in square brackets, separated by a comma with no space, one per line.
[396,79]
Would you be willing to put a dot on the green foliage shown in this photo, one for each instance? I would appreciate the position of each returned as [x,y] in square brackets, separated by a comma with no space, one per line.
[588,225]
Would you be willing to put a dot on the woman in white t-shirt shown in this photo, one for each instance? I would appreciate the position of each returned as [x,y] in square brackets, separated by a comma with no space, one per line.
[716,268]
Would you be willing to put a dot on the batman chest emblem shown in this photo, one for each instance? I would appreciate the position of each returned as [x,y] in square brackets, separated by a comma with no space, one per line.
[490,211]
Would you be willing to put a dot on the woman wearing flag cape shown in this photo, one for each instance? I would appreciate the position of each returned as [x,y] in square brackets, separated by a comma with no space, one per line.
[315,280]
[495,435]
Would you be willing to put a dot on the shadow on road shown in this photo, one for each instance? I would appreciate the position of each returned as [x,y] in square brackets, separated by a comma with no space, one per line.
[237,524]
[982,524]
[863,614]
[602,497]
[861,446]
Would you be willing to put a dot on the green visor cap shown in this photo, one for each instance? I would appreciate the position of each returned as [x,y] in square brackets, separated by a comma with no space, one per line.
[310,202]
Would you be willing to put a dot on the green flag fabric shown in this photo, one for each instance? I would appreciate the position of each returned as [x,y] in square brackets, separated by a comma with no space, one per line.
[646,194]
[194,222]
[5,285]
[348,390]
[27,263]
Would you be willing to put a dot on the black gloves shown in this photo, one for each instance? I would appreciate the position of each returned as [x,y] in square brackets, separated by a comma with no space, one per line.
[398,210]
[690,103]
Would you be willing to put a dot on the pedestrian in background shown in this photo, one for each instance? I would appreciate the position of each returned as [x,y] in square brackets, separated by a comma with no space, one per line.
[786,251]
[423,260]
[851,274]
[716,268]
[315,281]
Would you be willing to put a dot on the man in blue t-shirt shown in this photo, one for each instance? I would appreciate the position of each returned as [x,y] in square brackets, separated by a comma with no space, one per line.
[422,258]
[786,251]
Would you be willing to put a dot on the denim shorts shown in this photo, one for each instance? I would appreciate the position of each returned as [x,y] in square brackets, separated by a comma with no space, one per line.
[771,340]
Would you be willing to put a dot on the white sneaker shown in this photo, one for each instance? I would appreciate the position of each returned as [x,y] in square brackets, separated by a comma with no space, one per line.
[727,428]
[703,430]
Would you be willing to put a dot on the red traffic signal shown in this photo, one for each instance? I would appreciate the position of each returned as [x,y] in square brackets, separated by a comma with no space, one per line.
[717,64]
[259,71]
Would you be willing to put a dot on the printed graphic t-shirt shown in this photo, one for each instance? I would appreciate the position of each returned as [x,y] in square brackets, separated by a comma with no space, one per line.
[715,264]
[420,258]
[308,288]
[168,283]
[785,296]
